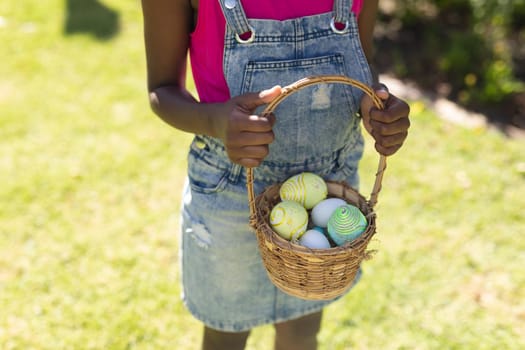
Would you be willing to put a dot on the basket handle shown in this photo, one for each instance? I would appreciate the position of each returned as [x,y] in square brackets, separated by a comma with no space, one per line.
[294,87]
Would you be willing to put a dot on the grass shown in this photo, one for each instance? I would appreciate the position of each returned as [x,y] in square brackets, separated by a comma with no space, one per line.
[90,197]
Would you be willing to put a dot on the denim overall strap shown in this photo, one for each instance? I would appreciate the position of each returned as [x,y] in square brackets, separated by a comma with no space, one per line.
[235,16]
[238,22]
[342,10]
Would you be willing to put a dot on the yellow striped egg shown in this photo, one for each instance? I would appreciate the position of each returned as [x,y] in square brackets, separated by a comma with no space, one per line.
[346,224]
[306,188]
[289,219]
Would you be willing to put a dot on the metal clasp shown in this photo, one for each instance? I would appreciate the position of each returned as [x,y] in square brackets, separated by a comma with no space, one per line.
[246,41]
[339,31]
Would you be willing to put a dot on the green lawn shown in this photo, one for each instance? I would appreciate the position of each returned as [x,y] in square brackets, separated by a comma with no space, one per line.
[89,199]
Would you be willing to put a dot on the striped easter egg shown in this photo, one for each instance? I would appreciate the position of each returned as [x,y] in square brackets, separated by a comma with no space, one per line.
[305,188]
[289,219]
[346,224]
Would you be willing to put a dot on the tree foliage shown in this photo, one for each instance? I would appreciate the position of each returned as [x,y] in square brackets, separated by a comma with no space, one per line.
[472,51]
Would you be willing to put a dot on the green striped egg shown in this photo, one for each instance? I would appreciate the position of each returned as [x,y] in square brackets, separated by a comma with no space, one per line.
[346,224]
[289,219]
[305,188]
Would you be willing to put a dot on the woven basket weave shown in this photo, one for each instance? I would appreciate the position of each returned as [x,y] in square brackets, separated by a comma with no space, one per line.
[313,274]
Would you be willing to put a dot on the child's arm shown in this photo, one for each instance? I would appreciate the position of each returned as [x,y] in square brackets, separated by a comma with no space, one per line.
[167,26]
[389,127]
[366,23]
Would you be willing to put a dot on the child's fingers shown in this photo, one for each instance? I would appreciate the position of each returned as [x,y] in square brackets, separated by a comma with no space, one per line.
[393,140]
[256,123]
[387,151]
[239,121]
[269,94]
[395,109]
[381,90]
[252,100]
[400,125]
[249,156]
[253,139]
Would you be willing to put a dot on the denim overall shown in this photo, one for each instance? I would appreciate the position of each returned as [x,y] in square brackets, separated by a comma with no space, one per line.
[225,284]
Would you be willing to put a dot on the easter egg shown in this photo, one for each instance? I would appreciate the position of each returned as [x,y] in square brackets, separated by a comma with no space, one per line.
[324,209]
[320,229]
[306,188]
[314,239]
[346,224]
[289,219]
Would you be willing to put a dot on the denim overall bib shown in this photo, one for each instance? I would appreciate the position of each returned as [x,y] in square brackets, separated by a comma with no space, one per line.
[224,281]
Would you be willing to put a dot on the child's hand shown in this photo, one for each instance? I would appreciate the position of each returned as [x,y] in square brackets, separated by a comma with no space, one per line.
[246,136]
[389,127]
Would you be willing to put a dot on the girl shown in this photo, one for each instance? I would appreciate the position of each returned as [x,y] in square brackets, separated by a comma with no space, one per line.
[240,54]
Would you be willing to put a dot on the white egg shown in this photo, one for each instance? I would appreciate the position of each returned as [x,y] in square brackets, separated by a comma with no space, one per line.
[314,239]
[324,209]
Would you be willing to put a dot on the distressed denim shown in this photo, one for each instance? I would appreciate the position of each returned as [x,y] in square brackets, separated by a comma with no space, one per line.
[225,284]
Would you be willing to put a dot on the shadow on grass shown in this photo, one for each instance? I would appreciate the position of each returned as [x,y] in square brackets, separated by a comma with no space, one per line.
[91,17]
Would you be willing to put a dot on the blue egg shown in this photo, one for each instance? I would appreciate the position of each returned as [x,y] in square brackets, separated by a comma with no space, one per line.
[314,239]
[320,229]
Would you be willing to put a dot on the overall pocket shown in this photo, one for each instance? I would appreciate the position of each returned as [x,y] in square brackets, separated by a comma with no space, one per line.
[207,171]
[260,75]
[314,121]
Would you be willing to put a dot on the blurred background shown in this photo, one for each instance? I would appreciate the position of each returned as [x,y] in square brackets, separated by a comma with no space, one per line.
[90,185]
[471,52]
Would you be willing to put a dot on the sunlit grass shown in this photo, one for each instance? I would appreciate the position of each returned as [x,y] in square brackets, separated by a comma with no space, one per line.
[89,199]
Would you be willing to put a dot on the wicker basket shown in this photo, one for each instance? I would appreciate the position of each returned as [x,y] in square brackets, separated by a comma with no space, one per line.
[313,274]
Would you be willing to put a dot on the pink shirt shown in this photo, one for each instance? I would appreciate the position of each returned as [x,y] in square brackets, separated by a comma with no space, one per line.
[207,41]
